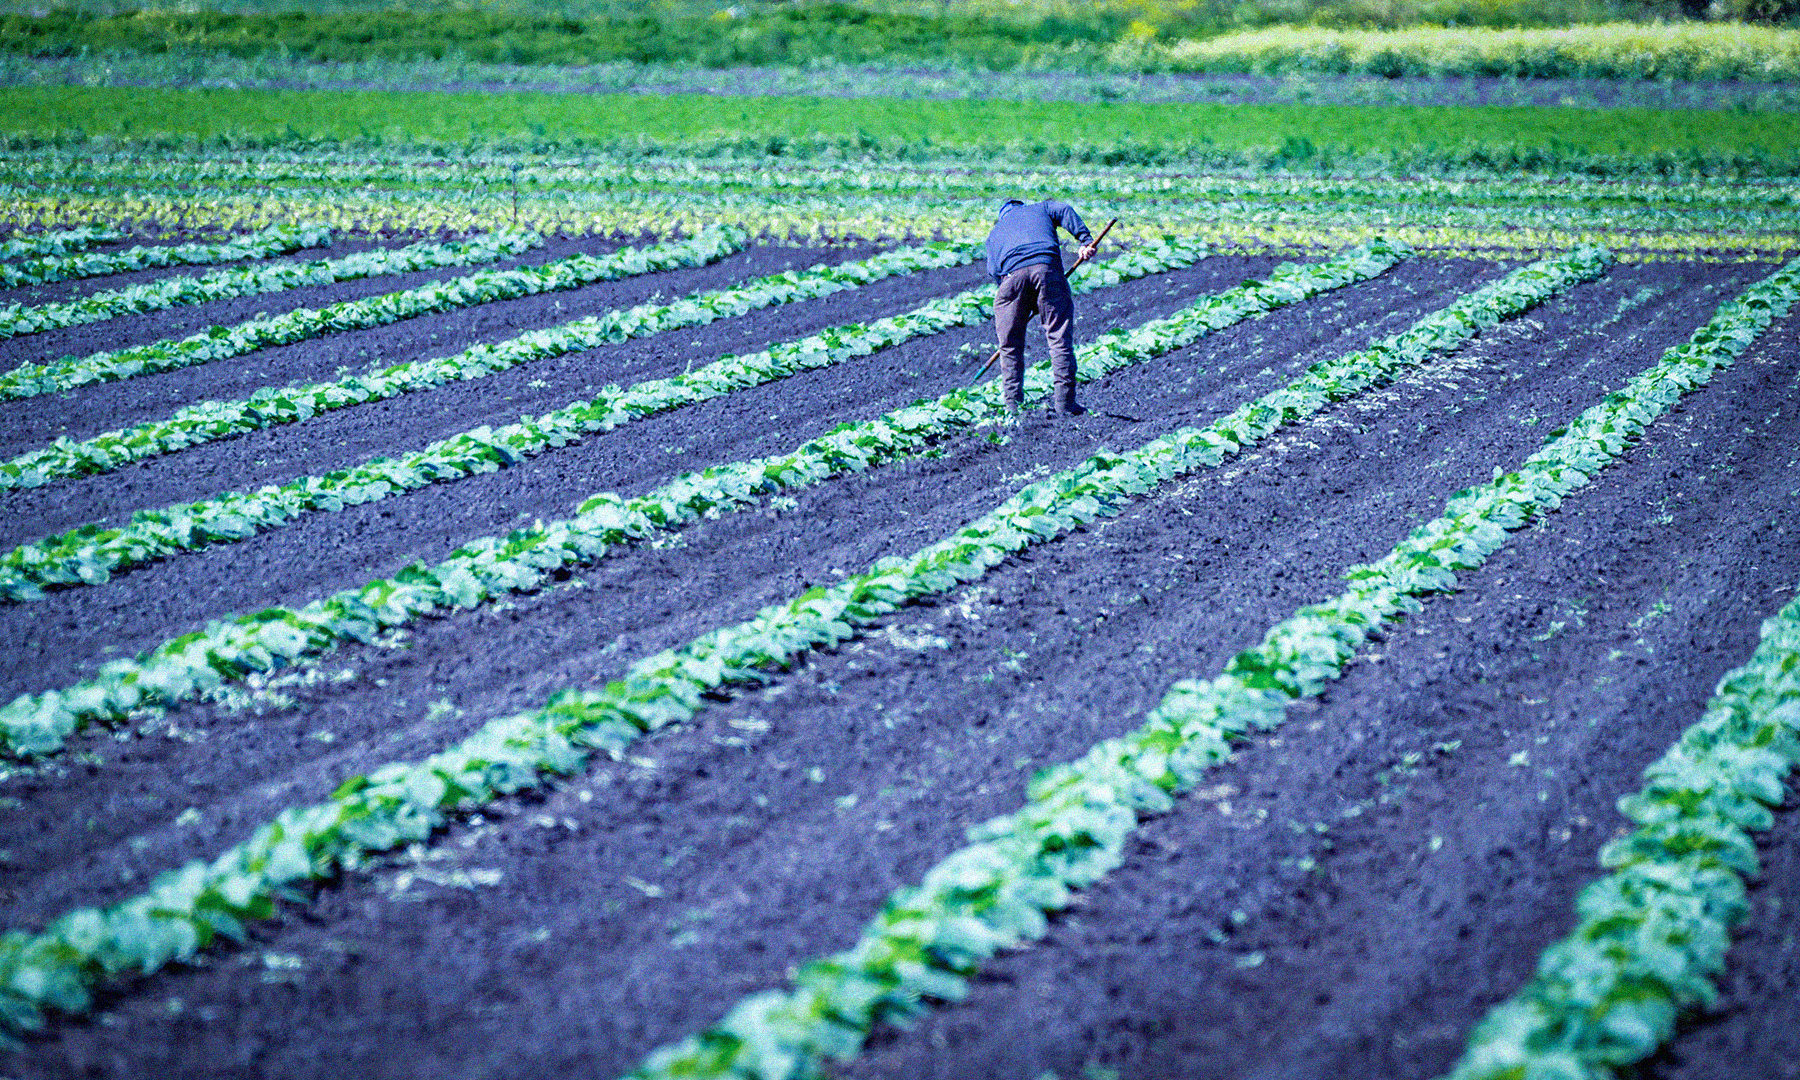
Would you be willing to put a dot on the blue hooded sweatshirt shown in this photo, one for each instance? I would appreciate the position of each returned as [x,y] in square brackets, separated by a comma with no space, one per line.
[1025,234]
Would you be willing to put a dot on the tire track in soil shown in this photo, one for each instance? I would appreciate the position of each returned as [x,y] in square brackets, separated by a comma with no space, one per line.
[324,552]
[747,884]
[1379,962]
[90,410]
[654,599]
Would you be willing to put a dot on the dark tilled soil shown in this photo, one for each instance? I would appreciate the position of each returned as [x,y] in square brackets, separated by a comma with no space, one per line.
[1328,905]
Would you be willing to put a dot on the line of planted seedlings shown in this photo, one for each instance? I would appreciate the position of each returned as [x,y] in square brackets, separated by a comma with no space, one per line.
[209,421]
[185,910]
[334,170]
[303,324]
[90,554]
[59,242]
[1651,936]
[868,182]
[275,240]
[999,891]
[801,214]
[19,319]
[492,566]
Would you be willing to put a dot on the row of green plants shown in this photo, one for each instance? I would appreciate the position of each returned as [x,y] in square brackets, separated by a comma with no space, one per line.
[398,168]
[90,554]
[489,567]
[209,421]
[1650,937]
[404,169]
[751,194]
[19,319]
[267,331]
[275,240]
[1715,150]
[57,241]
[1283,225]
[185,910]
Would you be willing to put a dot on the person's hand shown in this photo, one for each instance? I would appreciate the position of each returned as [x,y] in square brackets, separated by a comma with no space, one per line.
[1088,249]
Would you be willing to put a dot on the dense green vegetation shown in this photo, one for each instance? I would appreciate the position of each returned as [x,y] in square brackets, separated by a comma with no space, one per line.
[775,126]
[786,35]
[1610,51]
[961,33]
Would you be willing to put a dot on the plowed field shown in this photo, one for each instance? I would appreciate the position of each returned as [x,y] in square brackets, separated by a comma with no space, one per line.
[1345,897]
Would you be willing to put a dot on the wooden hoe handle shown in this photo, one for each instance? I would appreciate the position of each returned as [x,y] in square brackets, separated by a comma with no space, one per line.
[1083,258]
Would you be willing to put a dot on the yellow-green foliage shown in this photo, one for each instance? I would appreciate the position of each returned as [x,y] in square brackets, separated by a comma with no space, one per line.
[1110,19]
[1614,50]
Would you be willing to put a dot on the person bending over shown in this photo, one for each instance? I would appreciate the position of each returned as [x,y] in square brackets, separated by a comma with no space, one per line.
[1025,257]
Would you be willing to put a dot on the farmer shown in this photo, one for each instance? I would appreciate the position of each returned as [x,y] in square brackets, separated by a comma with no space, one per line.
[1025,257]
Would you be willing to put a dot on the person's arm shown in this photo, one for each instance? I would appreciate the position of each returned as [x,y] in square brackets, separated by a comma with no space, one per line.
[1064,214]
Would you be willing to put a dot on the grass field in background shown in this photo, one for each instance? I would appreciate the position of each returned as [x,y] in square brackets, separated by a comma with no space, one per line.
[1140,36]
[458,118]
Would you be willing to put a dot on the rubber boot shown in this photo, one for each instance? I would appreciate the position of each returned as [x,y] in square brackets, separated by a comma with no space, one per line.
[1063,403]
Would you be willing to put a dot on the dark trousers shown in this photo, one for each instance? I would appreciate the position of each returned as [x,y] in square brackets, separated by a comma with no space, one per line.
[1039,289]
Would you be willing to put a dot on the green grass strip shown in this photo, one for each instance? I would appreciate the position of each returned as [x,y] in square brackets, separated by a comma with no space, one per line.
[1150,130]
[998,892]
[276,240]
[213,420]
[490,567]
[90,554]
[18,319]
[60,242]
[186,909]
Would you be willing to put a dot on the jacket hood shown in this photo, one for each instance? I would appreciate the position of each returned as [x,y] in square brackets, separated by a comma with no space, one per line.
[1004,203]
